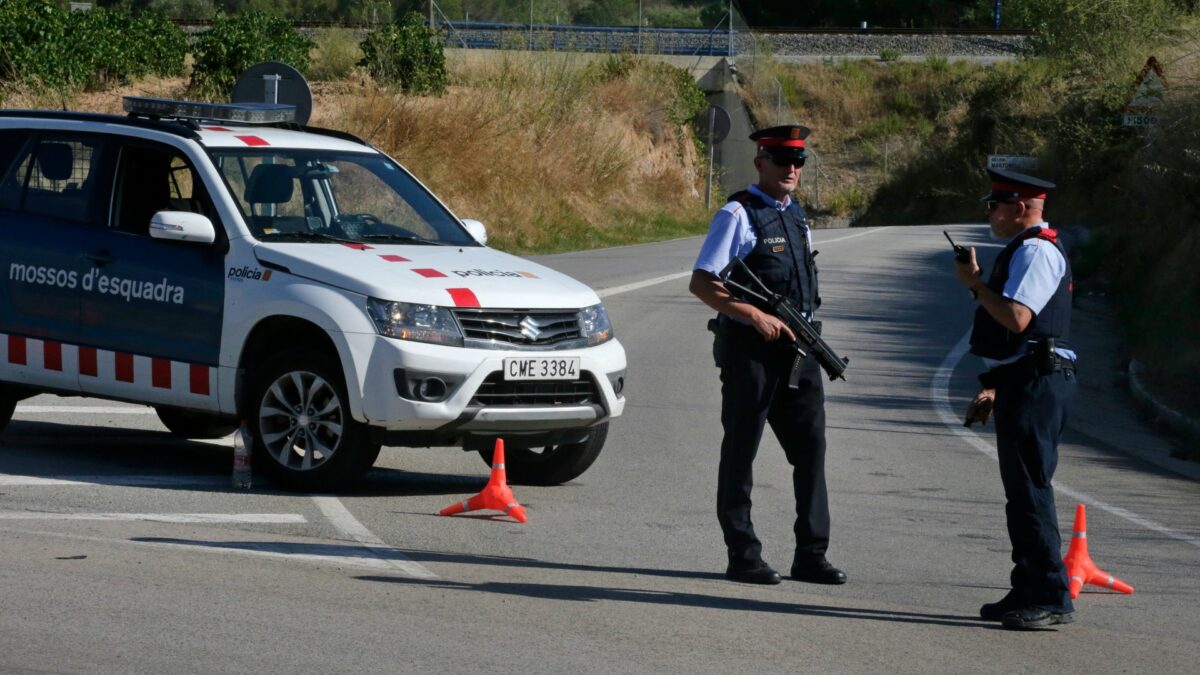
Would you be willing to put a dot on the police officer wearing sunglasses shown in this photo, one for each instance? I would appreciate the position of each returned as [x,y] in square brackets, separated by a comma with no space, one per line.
[766,228]
[1021,331]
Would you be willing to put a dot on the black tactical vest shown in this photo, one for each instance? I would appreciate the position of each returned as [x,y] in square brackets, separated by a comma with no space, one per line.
[991,340]
[782,257]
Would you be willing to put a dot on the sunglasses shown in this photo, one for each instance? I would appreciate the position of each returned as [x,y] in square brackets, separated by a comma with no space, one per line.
[992,206]
[785,162]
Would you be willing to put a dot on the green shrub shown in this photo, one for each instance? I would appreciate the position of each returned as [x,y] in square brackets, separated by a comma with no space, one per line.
[1093,36]
[335,55]
[44,45]
[33,41]
[114,46]
[846,202]
[408,54]
[236,42]
[889,55]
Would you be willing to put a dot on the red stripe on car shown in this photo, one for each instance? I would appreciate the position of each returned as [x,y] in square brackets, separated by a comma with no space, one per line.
[252,140]
[52,355]
[160,373]
[87,361]
[198,379]
[428,273]
[124,366]
[394,258]
[463,297]
[16,350]
[215,129]
[357,247]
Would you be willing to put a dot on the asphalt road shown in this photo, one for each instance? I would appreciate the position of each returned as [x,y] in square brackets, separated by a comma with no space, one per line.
[125,551]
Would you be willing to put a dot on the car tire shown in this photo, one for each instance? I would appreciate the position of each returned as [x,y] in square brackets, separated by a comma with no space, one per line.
[191,424]
[552,464]
[8,405]
[299,414]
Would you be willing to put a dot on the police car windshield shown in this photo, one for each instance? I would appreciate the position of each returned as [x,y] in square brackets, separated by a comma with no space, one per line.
[292,195]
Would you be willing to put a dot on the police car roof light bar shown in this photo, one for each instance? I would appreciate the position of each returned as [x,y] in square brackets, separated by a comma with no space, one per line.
[244,113]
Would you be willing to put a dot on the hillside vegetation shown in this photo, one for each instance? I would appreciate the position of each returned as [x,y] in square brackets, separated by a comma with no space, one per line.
[934,123]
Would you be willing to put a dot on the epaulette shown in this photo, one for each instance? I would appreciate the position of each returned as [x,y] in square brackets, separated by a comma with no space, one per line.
[1046,233]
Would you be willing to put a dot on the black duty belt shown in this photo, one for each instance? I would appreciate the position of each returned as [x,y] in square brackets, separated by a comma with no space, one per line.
[1025,369]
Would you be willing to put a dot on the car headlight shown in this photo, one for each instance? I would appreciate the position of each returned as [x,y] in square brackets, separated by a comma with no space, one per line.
[594,325]
[419,323]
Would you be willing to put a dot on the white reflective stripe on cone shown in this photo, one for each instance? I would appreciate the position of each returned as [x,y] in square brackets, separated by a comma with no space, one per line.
[1110,581]
[498,466]
[1079,579]
[466,506]
[1081,535]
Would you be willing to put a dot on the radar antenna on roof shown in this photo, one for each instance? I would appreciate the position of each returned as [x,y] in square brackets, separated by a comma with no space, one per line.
[275,82]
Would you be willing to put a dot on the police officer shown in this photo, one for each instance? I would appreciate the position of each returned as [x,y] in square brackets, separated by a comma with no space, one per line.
[766,228]
[1021,331]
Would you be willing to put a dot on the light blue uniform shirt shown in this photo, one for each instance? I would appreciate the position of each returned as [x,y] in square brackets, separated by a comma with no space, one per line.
[731,236]
[1034,272]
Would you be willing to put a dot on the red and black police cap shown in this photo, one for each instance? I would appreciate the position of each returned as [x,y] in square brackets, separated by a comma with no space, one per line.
[1010,186]
[784,142]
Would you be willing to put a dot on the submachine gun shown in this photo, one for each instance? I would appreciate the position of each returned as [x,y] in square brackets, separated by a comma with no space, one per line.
[808,337]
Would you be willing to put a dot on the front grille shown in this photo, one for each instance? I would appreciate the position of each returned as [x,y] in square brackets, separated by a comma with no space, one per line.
[498,392]
[519,329]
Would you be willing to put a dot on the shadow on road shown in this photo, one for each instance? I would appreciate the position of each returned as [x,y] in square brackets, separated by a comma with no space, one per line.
[592,594]
[124,457]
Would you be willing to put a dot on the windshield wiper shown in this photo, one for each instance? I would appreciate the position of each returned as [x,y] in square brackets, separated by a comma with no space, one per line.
[306,236]
[407,238]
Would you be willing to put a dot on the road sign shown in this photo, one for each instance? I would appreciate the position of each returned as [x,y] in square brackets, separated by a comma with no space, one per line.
[1014,162]
[717,123]
[1149,89]
[1132,119]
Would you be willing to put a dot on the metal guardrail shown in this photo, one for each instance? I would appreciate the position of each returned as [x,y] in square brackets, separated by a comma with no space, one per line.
[758,30]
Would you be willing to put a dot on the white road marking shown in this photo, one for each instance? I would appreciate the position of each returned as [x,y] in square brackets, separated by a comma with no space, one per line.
[290,552]
[347,524]
[856,235]
[617,290]
[274,518]
[939,389]
[84,409]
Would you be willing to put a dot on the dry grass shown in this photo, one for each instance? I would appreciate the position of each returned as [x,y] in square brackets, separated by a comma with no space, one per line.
[542,150]
[869,119]
[552,152]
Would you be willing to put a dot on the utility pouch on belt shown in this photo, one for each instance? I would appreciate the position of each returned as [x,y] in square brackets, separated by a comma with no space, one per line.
[1041,360]
[719,347]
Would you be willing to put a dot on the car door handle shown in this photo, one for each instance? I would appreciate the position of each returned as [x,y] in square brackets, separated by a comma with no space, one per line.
[101,257]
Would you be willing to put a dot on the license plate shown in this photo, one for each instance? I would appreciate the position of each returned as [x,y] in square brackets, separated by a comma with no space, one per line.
[539,368]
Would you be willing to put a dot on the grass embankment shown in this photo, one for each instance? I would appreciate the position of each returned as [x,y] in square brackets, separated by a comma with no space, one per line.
[552,152]
[870,119]
[1134,190]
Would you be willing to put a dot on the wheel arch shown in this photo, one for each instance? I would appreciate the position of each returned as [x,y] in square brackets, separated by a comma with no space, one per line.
[276,333]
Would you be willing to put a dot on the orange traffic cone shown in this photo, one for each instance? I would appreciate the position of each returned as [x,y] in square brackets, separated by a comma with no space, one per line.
[495,495]
[1080,568]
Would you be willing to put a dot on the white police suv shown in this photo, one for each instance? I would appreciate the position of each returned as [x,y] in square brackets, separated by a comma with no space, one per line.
[222,263]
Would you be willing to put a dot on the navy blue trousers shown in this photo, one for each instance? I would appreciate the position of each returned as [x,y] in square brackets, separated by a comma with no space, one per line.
[754,393]
[1030,416]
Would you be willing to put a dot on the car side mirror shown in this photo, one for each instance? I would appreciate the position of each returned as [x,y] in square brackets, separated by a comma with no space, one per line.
[182,226]
[477,230]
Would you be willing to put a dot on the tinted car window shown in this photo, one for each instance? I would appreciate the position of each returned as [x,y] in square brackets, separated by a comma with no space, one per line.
[57,177]
[329,197]
[12,178]
[152,179]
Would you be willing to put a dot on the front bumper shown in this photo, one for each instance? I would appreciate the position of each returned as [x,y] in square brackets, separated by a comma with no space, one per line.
[382,365]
